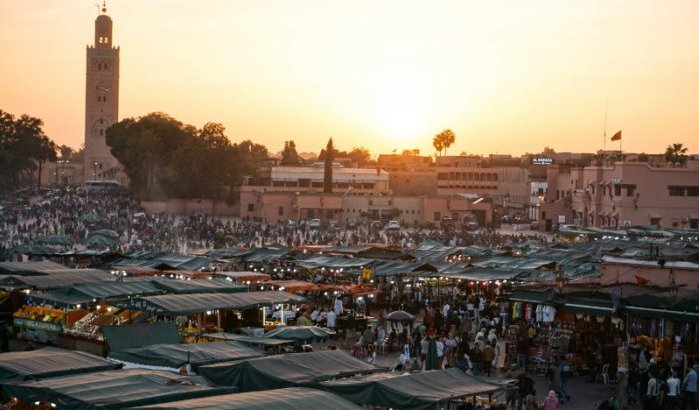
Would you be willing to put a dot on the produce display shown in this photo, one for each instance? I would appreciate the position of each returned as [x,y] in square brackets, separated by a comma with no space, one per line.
[39,318]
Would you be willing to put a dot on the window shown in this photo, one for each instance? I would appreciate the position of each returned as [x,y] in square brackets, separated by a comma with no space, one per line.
[437,216]
[676,190]
[281,210]
[101,120]
[101,131]
[630,189]
[251,207]
[617,190]
[693,191]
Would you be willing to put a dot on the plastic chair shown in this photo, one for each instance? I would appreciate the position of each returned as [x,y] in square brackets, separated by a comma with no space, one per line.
[604,374]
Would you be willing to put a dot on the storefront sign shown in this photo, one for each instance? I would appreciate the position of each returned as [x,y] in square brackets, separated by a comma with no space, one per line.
[542,161]
[616,181]
[136,304]
[35,325]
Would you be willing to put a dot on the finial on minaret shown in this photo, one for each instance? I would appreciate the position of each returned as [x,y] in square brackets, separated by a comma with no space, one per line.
[104,6]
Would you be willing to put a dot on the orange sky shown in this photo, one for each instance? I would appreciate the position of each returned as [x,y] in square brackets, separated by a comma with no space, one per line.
[506,76]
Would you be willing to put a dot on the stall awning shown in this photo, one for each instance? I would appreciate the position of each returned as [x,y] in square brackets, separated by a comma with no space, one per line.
[198,286]
[287,370]
[533,296]
[662,313]
[420,391]
[202,302]
[49,362]
[113,389]
[292,398]
[28,268]
[88,292]
[123,337]
[291,285]
[177,355]
[57,279]
[251,340]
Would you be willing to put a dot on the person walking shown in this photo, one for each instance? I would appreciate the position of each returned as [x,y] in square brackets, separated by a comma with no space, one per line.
[652,393]
[690,389]
[487,359]
[673,391]
[551,402]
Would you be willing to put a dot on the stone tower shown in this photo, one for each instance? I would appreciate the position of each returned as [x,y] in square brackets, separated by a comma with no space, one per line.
[101,101]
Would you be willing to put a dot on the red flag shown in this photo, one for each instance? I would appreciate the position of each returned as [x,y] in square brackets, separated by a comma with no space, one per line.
[617,136]
[641,281]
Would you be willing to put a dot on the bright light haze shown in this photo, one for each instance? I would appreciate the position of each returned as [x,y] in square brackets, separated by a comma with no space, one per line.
[506,76]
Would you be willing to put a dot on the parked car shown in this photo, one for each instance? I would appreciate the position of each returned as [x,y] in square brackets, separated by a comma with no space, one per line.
[393,225]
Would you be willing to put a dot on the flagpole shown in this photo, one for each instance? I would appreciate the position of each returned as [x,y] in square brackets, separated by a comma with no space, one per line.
[604,138]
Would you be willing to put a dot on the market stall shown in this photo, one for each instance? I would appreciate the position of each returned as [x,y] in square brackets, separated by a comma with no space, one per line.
[287,370]
[113,389]
[49,362]
[292,398]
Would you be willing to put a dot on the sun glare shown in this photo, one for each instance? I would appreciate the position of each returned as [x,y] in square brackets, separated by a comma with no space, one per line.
[399,107]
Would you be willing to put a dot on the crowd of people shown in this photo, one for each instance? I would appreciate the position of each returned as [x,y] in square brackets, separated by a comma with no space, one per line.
[26,217]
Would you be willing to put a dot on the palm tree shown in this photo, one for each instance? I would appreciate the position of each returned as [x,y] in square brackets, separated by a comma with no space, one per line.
[446,138]
[675,153]
[437,143]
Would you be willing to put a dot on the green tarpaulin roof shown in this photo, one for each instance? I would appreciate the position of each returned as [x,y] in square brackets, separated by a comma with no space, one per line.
[49,362]
[57,279]
[417,391]
[292,398]
[198,285]
[123,337]
[116,389]
[28,268]
[266,341]
[287,370]
[202,302]
[177,355]
[85,293]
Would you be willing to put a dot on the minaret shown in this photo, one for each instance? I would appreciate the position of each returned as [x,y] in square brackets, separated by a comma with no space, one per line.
[101,101]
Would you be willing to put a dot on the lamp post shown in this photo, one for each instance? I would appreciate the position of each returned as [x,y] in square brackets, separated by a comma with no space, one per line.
[559,277]
[673,289]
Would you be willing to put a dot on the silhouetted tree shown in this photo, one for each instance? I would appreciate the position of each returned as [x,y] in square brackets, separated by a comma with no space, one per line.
[23,148]
[437,144]
[675,153]
[289,156]
[328,174]
[444,140]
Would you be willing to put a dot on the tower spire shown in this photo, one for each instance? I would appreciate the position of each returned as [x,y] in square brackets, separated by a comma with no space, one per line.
[104,6]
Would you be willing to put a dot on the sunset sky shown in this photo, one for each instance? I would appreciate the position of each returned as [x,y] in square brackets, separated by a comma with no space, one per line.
[506,76]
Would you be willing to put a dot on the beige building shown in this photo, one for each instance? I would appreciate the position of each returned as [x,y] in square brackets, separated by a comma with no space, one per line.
[624,194]
[101,102]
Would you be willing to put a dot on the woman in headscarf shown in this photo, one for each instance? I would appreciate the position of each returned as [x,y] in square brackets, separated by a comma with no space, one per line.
[551,401]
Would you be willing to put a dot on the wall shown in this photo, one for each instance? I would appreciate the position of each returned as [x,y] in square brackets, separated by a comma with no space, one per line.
[189,206]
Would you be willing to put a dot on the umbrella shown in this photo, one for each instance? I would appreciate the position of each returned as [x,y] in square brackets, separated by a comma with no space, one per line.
[300,334]
[56,240]
[90,218]
[99,240]
[107,233]
[400,316]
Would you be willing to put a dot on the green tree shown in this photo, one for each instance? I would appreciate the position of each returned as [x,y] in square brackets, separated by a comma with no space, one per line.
[165,158]
[328,169]
[361,156]
[289,156]
[676,154]
[24,148]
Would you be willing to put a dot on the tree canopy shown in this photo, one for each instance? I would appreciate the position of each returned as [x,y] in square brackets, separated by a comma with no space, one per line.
[676,154]
[23,149]
[360,155]
[443,140]
[165,158]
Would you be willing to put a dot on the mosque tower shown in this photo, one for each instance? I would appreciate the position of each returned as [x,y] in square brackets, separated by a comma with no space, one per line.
[101,101]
